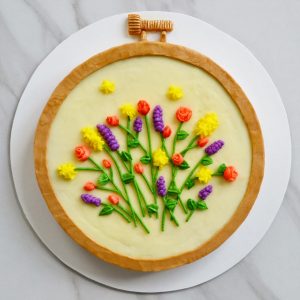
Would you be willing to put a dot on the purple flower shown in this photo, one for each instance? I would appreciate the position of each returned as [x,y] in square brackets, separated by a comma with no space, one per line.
[90,199]
[158,119]
[161,186]
[214,147]
[204,193]
[108,136]
[138,124]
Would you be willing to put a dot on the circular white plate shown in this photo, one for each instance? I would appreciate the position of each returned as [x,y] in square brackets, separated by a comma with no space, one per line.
[235,59]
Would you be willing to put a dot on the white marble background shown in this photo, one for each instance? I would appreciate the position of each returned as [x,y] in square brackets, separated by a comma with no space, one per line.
[30,29]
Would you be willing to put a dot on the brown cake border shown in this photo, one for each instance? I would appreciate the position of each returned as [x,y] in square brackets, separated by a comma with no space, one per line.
[146,48]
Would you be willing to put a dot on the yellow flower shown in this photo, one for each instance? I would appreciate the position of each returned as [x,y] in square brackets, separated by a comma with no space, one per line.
[160,158]
[207,125]
[92,138]
[174,92]
[67,171]
[204,175]
[128,110]
[107,87]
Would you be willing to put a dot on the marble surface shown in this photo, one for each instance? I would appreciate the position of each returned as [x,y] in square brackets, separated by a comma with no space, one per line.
[30,29]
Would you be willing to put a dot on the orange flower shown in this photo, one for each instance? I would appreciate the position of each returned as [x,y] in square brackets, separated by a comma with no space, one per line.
[230,174]
[112,120]
[177,159]
[106,163]
[167,131]
[89,186]
[82,152]
[143,107]
[138,168]
[113,199]
[183,114]
[201,142]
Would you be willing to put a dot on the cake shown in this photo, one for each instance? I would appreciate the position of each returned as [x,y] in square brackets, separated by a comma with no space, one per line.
[149,155]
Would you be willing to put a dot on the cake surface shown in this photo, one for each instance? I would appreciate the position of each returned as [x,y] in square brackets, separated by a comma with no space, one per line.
[149,77]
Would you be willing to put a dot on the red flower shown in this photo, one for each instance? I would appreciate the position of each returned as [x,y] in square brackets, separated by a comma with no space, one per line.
[138,168]
[113,199]
[183,114]
[177,159]
[82,152]
[112,120]
[89,186]
[106,163]
[143,107]
[167,131]
[230,173]
[201,142]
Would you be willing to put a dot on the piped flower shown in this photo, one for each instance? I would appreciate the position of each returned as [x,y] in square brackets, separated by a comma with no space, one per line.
[82,152]
[90,199]
[91,137]
[138,168]
[67,171]
[205,192]
[202,142]
[230,173]
[167,131]
[128,110]
[89,186]
[138,124]
[161,186]
[160,158]
[183,114]
[106,163]
[214,147]
[113,199]
[204,175]
[158,121]
[177,159]
[107,87]
[143,107]
[109,137]
[174,92]
[207,125]
[112,120]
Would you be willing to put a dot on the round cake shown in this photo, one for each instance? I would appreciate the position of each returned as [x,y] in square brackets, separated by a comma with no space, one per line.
[149,155]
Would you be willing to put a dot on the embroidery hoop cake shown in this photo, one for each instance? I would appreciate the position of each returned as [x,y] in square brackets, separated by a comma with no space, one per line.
[166,208]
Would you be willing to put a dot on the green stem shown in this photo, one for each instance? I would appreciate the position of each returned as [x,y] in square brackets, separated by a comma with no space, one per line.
[86,169]
[124,186]
[121,213]
[163,218]
[189,216]
[123,162]
[163,143]
[147,182]
[182,205]
[139,197]
[189,146]
[142,223]
[95,164]
[175,137]
[107,189]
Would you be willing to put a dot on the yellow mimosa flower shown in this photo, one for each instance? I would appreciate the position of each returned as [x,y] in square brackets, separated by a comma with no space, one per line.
[107,87]
[174,92]
[91,137]
[67,171]
[128,110]
[204,175]
[207,125]
[160,158]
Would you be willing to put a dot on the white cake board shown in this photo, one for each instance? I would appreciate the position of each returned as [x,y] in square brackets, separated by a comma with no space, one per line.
[235,59]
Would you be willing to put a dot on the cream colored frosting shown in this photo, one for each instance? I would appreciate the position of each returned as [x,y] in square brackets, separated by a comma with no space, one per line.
[149,78]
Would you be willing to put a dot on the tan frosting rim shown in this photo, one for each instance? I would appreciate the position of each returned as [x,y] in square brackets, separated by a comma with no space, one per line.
[123,52]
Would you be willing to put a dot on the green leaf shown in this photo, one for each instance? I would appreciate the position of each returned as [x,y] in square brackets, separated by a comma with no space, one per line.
[191,204]
[103,179]
[106,210]
[133,143]
[173,189]
[152,209]
[220,170]
[206,160]
[184,166]
[126,156]
[181,135]
[201,205]
[171,203]
[127,178]
[145,159]
[190,183]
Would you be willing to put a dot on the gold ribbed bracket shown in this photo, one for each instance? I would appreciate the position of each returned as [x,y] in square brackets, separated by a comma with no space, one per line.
[137,26]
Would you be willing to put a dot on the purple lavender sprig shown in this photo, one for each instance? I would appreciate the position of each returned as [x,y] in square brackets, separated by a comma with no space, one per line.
[138,124]
[161,186]
[158,121]
[214,147]
[205,192]
[109,137]
[90,199]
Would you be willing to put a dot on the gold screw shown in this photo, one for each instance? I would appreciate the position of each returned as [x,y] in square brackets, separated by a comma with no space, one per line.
[136,25]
